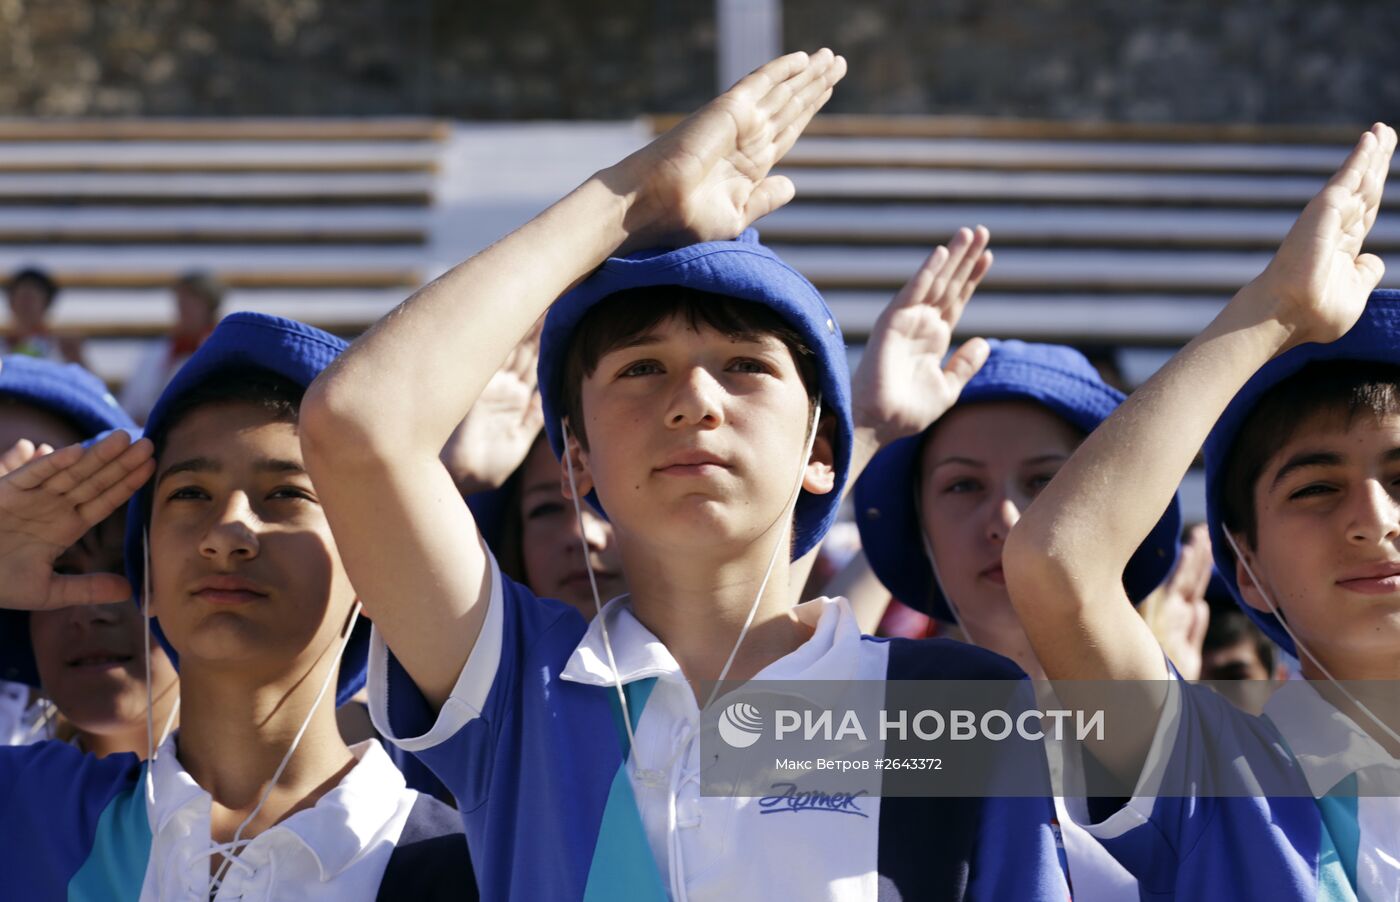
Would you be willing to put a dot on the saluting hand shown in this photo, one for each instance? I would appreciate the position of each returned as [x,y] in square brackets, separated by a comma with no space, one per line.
[48,501]
[708,178]
[903,384]
[497,434]
[1319,278]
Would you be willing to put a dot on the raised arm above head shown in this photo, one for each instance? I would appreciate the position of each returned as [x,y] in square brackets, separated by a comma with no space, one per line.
[1064,560]
[374,424]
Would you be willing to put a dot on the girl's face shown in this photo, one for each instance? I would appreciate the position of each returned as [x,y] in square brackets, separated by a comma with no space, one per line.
[551,544]
[981,466]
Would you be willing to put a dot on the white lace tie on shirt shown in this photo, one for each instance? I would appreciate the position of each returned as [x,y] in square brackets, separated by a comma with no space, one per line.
[681,776]
[229,851]
[1298,644]
[676,778]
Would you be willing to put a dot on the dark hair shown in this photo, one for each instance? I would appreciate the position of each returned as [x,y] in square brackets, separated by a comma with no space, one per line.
[36,276]
[1341,388]
[1229,626]
[628,315]
[278,396]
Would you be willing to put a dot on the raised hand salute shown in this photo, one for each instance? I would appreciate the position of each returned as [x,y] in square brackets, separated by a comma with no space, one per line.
[904,383]
[708,177]
[48,501]
[1318,281]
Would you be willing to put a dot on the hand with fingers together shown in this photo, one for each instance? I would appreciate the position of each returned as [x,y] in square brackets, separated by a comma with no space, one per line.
[1319,279]
[496,436]
[903,383]
[708,177]
[48,501]
[1177,610]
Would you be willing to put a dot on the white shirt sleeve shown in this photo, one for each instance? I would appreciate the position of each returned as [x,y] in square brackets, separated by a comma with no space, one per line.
[469,694]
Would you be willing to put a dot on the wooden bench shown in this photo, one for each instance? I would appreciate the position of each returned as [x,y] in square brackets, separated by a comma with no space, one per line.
[243,129]
[327,221]
[926,225]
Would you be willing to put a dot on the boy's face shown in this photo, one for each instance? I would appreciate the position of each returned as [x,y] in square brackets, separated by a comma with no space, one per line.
[1327,505]
[551,544]
[243,567]
[695,438]
[981,466]
[91,658]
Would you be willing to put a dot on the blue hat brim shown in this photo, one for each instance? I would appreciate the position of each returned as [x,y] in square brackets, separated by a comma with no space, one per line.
[1374,339]
[253,342]
[66,390]
[886,506]
[743,269]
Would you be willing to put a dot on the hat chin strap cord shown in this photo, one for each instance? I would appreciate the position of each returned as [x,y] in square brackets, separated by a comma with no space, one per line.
[675,864]
[228,850]
[146,651]
[1297,643]
[152,745]
[933,568]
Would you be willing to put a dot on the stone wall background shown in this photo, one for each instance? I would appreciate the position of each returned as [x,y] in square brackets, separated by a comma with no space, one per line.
[1269,61]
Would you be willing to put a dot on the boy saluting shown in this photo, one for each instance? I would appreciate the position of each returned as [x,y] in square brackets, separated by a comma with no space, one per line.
[1300,376]
[256,796]
[700,396]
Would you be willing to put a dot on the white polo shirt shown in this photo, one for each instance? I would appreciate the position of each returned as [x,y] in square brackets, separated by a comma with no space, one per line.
[1343,843]
[336,850]
[722,848]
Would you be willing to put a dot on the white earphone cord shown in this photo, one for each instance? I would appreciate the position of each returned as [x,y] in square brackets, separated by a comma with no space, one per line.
[150,696]
[230,849]
[753,609]
[217,879]
[593,585]
[1303,649]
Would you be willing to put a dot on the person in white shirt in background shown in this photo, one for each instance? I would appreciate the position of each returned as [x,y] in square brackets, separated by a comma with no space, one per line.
[198,297]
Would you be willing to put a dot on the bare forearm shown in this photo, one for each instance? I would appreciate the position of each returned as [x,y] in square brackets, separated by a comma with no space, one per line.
[417,372]
[1096,512]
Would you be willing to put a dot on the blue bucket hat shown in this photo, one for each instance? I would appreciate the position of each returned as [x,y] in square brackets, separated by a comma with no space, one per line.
[1374,339]
[887,515]
[71,392]
[742,269]
[245,341]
